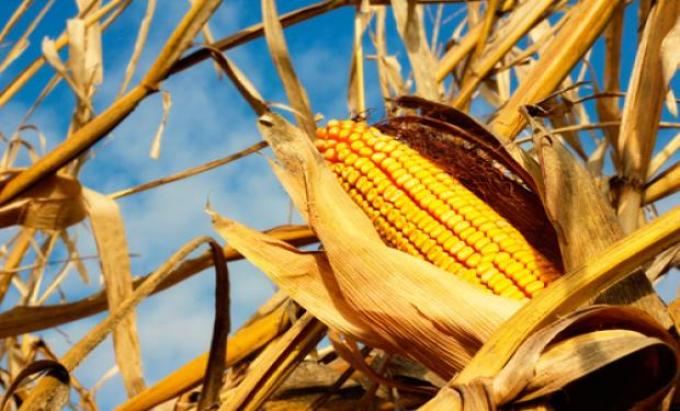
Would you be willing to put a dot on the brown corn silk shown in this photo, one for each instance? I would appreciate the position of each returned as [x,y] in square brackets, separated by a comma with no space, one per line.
[422,206]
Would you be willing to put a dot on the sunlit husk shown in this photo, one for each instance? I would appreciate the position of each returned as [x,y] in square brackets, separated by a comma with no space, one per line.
[358,285]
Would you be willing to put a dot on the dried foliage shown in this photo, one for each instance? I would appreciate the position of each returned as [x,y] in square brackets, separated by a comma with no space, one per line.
[565,153]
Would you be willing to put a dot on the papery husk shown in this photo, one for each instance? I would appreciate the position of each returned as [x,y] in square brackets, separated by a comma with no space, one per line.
[360,286]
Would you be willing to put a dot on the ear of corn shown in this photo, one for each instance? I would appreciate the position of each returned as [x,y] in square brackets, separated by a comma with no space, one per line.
[422,210]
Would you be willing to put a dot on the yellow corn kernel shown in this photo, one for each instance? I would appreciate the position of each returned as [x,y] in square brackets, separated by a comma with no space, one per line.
[420,209]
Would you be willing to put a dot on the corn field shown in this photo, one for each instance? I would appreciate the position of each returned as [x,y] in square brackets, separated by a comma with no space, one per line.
[473,204]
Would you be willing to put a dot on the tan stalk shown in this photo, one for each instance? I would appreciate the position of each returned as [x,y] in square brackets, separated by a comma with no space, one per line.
[665,185]
[664,154]
[22,43]
[356,95]
[519,23]
[389,70]
[457,53]
[586,20]
[641,111]
[608,109]
[490,18]
[274,364]
[14,258]
[96,129]
[14,18]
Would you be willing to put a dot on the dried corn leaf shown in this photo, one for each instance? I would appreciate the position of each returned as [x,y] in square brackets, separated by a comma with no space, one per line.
[20,319]
[297,97]
[356,96]
[409,18]
[48,386]
[364,288]
[46,367]
[664,154]
[142,34]
[217,357]
[604,335]
[240,80]
[109,233]
[53,204]
[300,274]
[156,142]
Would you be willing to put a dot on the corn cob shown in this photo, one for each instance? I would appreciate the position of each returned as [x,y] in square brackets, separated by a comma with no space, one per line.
[418,208]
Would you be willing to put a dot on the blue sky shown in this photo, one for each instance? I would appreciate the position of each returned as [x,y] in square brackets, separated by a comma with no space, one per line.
[208,120]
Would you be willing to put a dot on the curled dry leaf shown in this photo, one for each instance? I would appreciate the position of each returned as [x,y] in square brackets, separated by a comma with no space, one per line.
[359,286]
[579,348]
[42,367]
[53,204]
[580,361]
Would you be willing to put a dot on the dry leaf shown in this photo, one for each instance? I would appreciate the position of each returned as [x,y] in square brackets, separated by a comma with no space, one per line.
[22,44]
[109,233]
[587,356]
[156,144]
[297,97]
[54,204]
[19,320]
[217,357]
[409,18]
[356,98]
[47,387]
[575,205]
[142,34]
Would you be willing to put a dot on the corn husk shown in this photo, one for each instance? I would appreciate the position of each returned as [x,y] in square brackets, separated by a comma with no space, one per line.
[358,285]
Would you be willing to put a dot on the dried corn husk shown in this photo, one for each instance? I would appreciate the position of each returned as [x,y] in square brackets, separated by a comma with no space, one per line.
[358,285]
